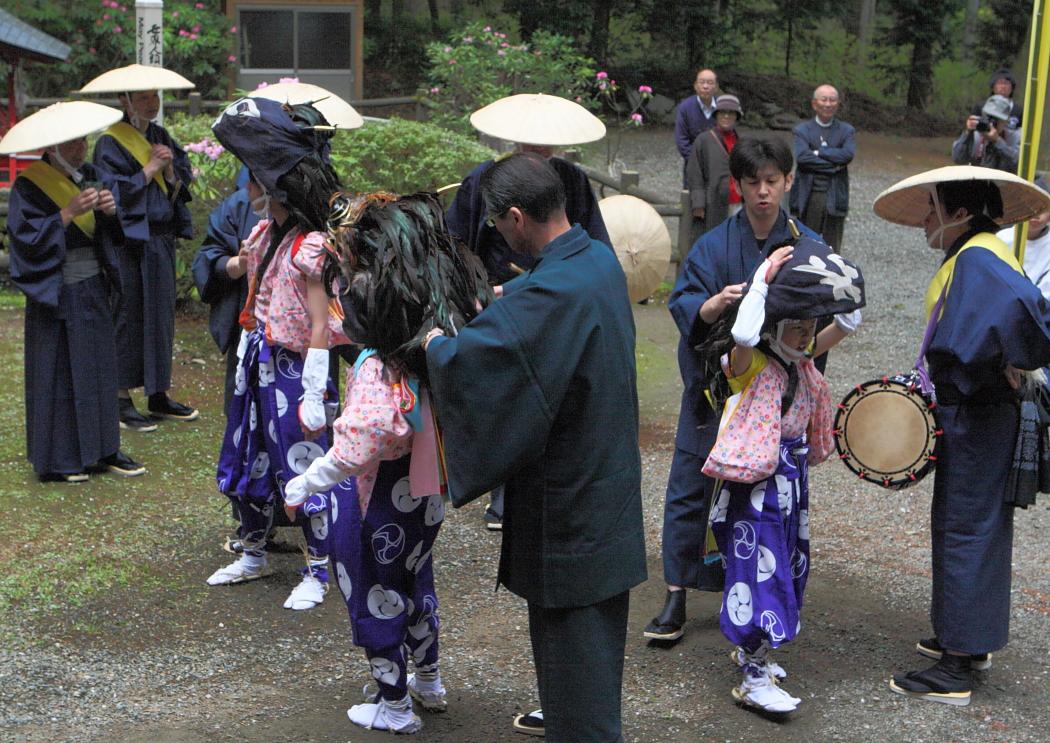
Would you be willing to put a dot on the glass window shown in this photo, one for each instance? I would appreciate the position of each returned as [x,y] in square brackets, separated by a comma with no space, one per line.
[324,41]
[266,39]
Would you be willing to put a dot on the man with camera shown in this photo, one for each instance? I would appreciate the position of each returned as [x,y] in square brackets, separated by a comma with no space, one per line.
[988,140]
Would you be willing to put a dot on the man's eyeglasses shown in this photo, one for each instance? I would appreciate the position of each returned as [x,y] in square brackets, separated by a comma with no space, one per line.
[490,220]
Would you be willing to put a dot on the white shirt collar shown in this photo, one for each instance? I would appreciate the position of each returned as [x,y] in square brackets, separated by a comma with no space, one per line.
[821,123]
[708,110]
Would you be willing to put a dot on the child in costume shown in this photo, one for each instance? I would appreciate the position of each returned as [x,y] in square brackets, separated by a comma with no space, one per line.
[400,275]
[775,425]
[277,418]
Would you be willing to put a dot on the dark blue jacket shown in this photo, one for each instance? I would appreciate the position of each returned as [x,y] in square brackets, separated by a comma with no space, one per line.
[689,122]
[539,392]
[728,254]
[837,147]
[229,224]
[466,219]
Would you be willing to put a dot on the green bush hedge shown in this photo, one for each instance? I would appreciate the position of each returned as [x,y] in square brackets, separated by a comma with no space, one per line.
[399,155]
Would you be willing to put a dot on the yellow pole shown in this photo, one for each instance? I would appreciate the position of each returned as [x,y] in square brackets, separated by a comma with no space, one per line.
[1034,103]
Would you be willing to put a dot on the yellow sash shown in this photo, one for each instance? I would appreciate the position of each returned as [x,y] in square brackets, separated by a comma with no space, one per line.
[60,190]
[944,274]
[132,140]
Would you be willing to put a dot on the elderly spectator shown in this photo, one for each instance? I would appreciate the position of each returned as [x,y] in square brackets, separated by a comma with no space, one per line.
[696,114]
[712,193]
[824,148]
[988,140]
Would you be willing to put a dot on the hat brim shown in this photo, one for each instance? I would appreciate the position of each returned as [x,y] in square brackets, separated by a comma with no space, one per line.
[908,201]
[538,119]
[336,111]
[58,123]
[137,77]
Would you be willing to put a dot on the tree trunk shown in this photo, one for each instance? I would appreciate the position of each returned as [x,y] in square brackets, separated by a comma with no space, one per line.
[435,27]
[455,7]
[970,28]
[919,75]
[865,24]
[598,49]
[790,35]
[373,13]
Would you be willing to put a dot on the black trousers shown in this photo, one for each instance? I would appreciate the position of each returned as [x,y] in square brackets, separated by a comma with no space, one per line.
[579,669]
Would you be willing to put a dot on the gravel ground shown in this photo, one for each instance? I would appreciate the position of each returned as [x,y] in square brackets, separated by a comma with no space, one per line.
[188,663]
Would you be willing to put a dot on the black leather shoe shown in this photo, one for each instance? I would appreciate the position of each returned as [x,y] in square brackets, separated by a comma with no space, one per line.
[162,406]
[64,477]
[121,464]
[530,724]
[667,625]
[931,648]
[949,681]
[133,420]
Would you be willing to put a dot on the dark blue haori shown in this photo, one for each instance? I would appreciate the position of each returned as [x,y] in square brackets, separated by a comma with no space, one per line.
[728,254]
[467,215]
[70,355]
[993,316]
[228,226]
[152,221]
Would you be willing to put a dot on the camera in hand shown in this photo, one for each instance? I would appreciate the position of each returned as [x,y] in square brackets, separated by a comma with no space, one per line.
[85,185]
[984,124]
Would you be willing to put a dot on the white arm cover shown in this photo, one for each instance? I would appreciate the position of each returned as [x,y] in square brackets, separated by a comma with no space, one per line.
[315,378]
[242,345]
[848,322]
[324,473]
[751,315]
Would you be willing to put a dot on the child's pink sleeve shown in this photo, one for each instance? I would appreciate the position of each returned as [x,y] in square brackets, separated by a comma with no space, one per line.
[309,259]
[748,446]
[371,427]
[820,435]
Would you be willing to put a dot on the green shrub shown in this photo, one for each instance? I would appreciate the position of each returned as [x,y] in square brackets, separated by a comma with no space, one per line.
[401,156]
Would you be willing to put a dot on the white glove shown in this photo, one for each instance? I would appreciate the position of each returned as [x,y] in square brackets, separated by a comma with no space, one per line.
[324,473]
[315,379]
[848,322]
[242,345]
[751,314]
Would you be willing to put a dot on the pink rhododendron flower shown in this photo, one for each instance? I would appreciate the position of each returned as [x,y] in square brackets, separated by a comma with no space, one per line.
[452,61]
[447,49]
[262,85]
[91,50]
[105,16]
[288,80]
[231,58]
[199,6]
[193,37]
[183,32]
[636,118]
[504,45]
[196,28]
[602,75]
[435,90]
[487,29]
[468,39]
[501,53]
[233,29]
[118,30]
[644,89]
[175,14]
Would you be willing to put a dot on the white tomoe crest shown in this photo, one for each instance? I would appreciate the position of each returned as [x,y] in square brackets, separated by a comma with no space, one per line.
[344,580]
[384,603]
[738,604]
[744,539]
[767,563]
[771,623]
[385,671]
[388,542]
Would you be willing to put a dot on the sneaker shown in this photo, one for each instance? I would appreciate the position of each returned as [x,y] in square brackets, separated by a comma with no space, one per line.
[244,569]
[162,406]
[64,477]
[667,625]
[121,464]
[931,648]
[430,694]
[530,724]
[131,419]
[758,690]
[738,656]
[397,717]
[308,594]
[949,681]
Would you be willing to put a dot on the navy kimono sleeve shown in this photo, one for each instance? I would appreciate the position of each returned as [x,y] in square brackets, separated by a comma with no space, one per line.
[702,278]
[228,225]
[993,316]
[131,187]
[38,243]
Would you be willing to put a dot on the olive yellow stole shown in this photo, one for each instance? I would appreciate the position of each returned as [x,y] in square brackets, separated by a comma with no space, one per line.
[132,140]
[942,280]
[57,187]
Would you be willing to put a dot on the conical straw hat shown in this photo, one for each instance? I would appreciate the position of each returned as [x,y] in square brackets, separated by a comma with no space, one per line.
[137,77]
[58,123]
[338,112]
[908,202]
[535,118]
[641,242]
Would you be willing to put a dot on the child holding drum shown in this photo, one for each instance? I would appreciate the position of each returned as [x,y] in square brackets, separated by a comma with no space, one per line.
[776,422]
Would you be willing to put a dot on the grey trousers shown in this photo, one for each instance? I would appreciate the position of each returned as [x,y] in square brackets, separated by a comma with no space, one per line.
[579,669]
[816,217]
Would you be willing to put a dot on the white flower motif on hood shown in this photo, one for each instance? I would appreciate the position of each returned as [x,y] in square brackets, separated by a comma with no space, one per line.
[841,283]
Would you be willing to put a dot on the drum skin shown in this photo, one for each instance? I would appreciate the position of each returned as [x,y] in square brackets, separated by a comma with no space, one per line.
[885,431]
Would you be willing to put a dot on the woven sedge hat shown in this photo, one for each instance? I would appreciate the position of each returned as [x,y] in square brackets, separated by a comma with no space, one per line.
[640,240]
[538,119]
[908,201]
[58,123]
[336,111]
[136,77]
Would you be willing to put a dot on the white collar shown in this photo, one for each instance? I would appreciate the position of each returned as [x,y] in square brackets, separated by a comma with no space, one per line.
[821,123]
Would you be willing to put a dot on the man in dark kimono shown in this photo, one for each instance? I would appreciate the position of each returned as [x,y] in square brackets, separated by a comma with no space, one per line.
[539,392]
[467,218]
[219,269]
[154,175]
[715,272]
[63,222]
[987,322]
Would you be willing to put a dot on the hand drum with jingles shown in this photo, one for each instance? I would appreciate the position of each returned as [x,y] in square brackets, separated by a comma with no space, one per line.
[885,431]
